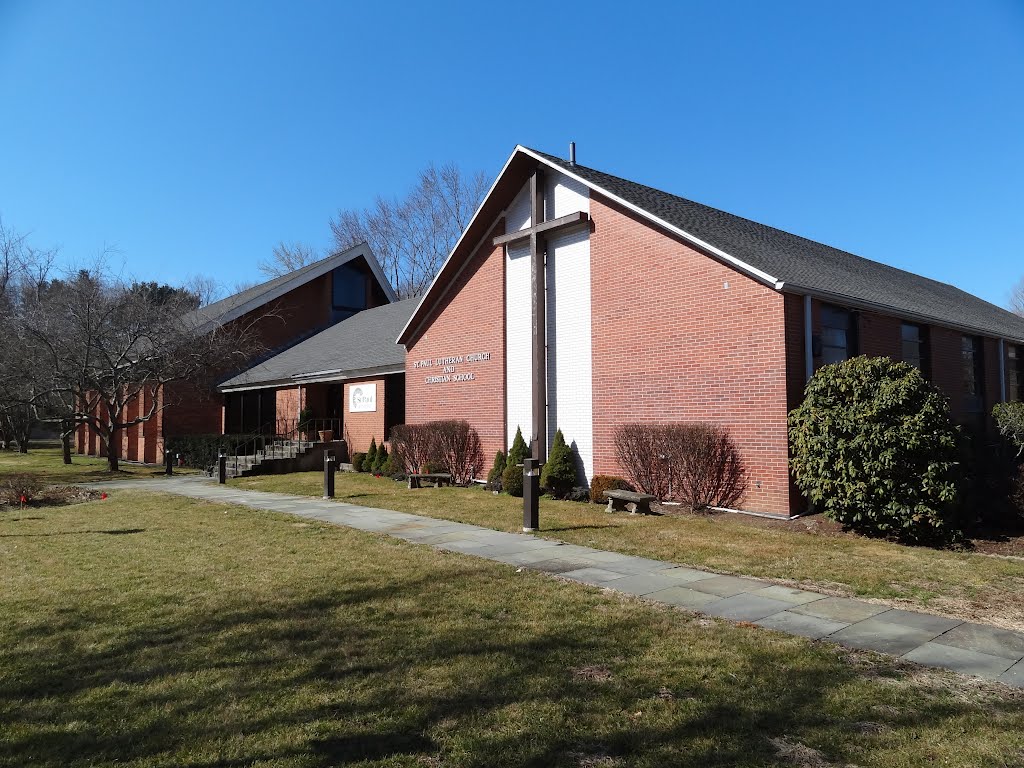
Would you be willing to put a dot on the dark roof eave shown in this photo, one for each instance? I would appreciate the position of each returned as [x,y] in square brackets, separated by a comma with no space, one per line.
[845,300]
[298,379]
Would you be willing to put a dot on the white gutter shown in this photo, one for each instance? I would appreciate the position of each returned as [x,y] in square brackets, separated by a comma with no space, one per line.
[1002,370]
[808,338]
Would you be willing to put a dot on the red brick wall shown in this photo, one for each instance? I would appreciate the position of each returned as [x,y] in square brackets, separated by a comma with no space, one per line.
[196,410]
[289,403]
[672,344]
[796,361]
[880,335]
[469,319]
[360,428]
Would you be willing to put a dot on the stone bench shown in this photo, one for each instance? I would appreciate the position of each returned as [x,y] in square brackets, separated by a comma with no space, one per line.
[634,503]
[439,479]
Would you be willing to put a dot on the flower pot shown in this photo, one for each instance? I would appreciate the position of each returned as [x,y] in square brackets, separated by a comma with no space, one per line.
[326,435]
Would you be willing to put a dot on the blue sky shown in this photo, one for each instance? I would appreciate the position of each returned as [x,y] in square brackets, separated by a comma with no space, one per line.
[193,136]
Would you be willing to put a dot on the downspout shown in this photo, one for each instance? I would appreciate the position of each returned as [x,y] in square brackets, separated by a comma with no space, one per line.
[808,339]
[1002,370]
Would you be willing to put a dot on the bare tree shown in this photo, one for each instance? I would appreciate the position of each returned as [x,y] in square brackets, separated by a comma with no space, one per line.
[287,257]
[1017,298]
[22,269]
[103,353]
[205,288]
[412,236]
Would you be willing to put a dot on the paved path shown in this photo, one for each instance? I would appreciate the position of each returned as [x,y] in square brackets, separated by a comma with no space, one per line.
[971,649]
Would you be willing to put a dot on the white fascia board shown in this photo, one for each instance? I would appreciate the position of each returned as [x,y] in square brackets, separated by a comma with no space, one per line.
[754,272]
[749,269]
[462,237]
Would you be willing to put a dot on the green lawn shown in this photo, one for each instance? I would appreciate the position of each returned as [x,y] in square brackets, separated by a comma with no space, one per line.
[151,630]
[961,584]
[46,464]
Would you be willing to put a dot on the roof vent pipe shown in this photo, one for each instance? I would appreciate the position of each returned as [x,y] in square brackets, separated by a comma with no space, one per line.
[572,153]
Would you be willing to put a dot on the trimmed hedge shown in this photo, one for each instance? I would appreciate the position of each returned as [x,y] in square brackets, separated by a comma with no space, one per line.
[201,451]
[696,464]
[451,446]
[602,483]
[873,445]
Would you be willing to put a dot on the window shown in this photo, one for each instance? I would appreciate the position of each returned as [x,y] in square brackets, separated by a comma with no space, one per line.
[914,346]
[349,286]
[974,374]
[837,335]
[1014,373]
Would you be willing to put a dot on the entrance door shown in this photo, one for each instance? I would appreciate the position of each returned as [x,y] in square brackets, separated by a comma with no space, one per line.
[336,408]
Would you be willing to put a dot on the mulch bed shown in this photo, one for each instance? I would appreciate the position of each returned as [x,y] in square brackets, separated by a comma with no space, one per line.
[57,496]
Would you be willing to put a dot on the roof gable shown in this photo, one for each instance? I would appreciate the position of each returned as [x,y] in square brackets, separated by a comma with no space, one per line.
[777,258]
[243,302]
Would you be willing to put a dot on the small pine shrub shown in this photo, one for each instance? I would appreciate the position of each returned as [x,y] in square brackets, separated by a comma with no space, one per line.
[382,457]
[874,446]
[559,474]
[494,476]
[357,461]
[512,476]
[389,467]
[602,483]
[371,456]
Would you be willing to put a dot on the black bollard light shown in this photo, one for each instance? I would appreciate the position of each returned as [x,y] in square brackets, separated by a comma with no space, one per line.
[168,463]
[222,469]
[531,495]
[329,466]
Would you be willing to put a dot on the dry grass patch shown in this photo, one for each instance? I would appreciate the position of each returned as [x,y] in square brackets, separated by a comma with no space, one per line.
[963,585]
[216,635]
[47,466]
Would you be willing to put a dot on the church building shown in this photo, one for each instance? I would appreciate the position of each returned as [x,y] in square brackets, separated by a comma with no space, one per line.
[281,313]
[580,301]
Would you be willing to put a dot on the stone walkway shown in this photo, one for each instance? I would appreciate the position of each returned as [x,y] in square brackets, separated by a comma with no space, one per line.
[971,649]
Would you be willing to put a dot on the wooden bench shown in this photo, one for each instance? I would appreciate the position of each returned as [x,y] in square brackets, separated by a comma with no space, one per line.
[437,478]
[634,503]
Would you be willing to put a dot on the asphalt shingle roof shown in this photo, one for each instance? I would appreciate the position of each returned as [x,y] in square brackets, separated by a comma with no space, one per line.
[365,341]
[805,264]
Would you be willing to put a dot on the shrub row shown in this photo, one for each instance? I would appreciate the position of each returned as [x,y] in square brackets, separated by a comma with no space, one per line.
[201,451]
[451,445]
[696,464]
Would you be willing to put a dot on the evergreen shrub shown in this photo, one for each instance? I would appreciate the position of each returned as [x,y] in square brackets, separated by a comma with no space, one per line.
[381,460]
[371,456]
[357,461]
[558,477]
[874,447]
[512,476]
[1009,419]
[494,476]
